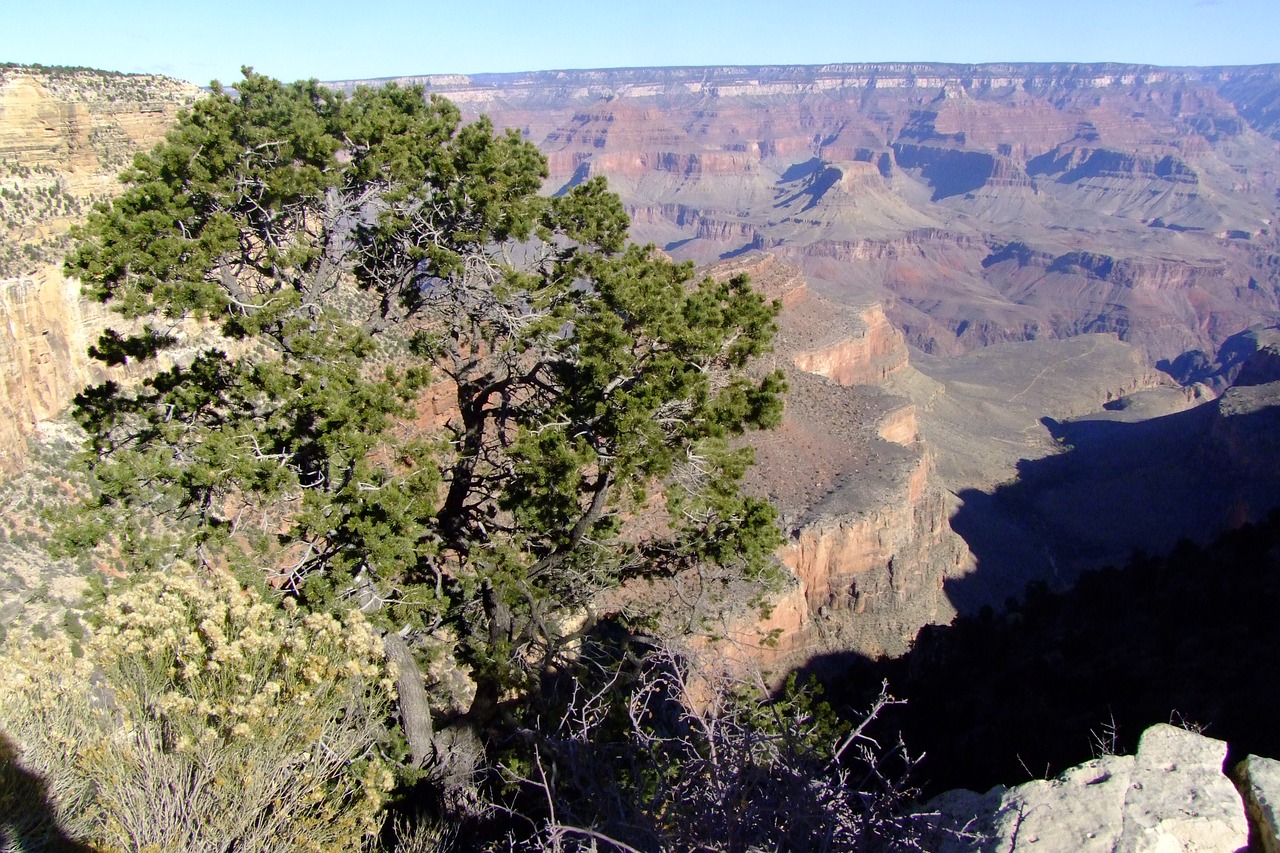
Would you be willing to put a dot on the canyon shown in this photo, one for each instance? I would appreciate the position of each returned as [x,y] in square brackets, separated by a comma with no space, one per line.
[980,204]
[64,137]
[970,259]
[1027,325]
[981,258]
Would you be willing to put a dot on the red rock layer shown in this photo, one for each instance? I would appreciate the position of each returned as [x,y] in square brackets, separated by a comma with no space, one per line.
[909,178]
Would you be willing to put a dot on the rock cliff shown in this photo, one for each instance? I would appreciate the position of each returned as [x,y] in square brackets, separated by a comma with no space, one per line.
[865,513]
[950,207]
[65,134]
[43,361]
[1142,200]
[64,137]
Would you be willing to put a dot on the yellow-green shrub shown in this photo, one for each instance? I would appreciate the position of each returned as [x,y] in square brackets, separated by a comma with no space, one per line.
[201,717]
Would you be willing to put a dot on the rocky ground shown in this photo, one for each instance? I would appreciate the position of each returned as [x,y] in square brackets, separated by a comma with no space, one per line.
[1172,795]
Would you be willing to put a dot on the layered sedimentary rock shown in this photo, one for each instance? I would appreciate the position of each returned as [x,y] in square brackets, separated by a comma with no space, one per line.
[868,542]
[979,203]
[65,134]
[43,361]
[64,137]
[956,206]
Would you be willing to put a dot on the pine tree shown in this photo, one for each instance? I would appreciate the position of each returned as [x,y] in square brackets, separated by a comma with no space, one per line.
[355,255]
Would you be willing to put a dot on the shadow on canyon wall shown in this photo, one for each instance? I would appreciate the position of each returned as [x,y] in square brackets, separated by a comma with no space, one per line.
[1050,664]
[1059,678]
[1116,487]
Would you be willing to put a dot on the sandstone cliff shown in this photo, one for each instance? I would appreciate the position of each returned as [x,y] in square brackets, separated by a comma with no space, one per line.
[868,544]
[881,464]
[64,137]
[43,358]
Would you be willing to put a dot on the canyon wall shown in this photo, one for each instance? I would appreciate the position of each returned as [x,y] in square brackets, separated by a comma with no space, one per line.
[43,360]
[65,134]
[883,462]
[868,543]
[978,203]
[959,209]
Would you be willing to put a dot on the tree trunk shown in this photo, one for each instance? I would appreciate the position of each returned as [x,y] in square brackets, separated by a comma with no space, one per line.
[415,712]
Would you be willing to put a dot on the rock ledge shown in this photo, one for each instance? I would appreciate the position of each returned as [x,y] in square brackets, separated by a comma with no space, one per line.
[1171,796]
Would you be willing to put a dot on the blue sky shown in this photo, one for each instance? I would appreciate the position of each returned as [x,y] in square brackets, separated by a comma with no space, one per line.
[336,40]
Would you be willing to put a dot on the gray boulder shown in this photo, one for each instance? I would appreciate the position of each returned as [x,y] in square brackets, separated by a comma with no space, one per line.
[1260,782]
[1171,796]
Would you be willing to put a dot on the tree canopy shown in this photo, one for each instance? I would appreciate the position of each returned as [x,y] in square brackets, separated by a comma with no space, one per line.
[421,384]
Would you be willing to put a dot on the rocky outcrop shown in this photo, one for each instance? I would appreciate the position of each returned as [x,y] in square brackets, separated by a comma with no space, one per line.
[1263,365]
[1173,795]
[871,573]
[917,243]
[1070,163]
[82,120]
[1257,348]
[64,136]
[867,351]
[1259,781]
[868,545]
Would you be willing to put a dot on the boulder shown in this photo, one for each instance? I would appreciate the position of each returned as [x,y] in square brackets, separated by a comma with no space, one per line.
[1171,796]
[1260,784]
